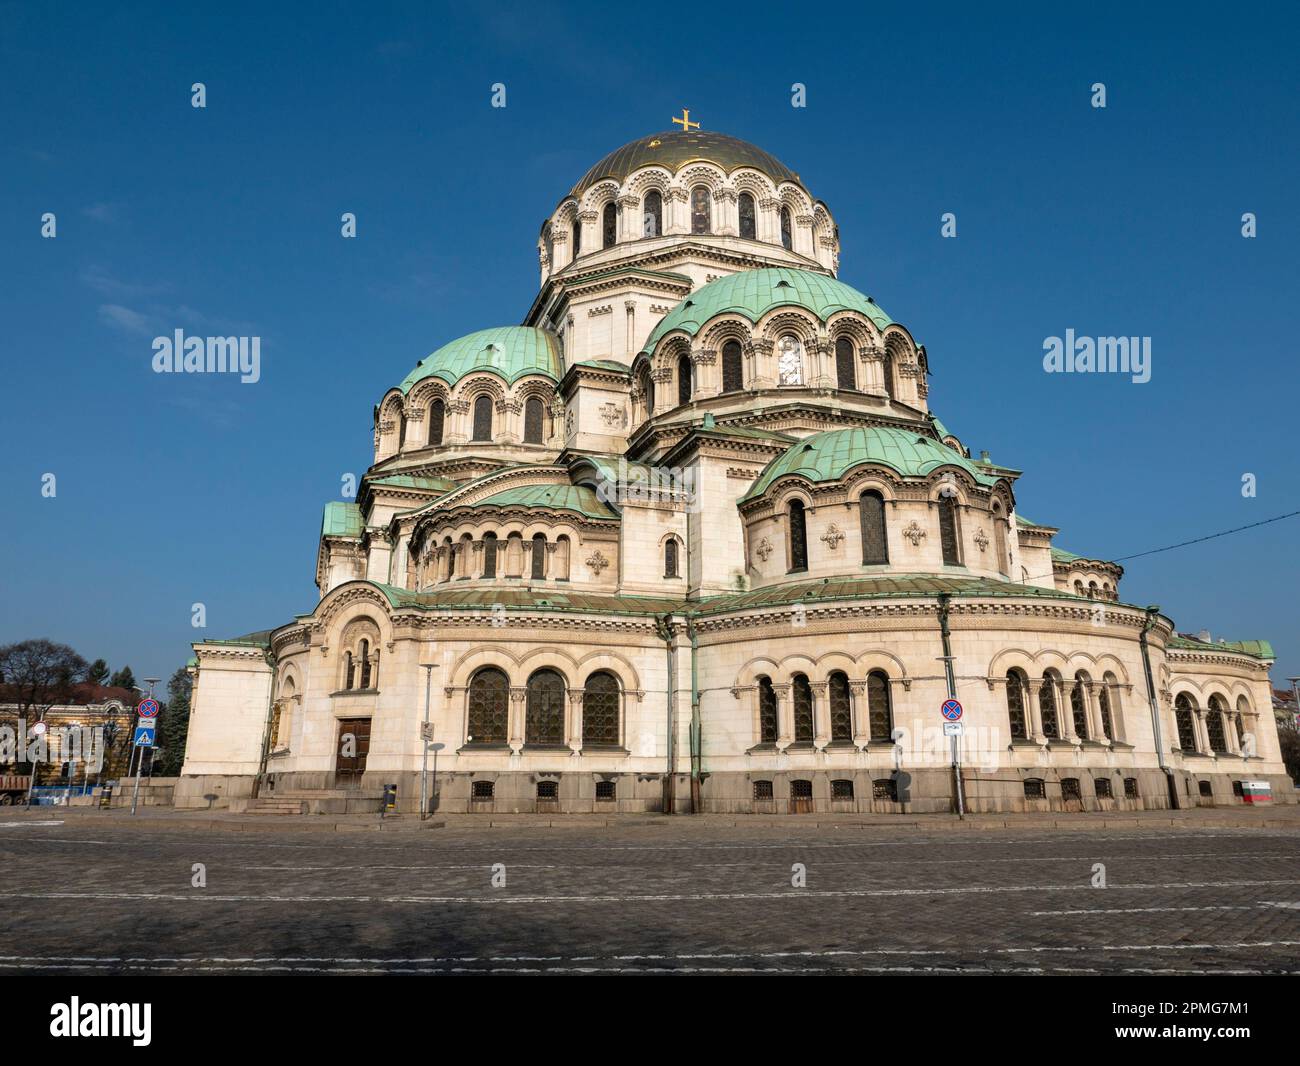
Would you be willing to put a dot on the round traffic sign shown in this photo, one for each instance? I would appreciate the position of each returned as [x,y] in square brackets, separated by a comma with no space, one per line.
[951,710]
[39,729]
[148,708]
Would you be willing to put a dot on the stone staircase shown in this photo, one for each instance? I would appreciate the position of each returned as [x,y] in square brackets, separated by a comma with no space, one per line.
[276,805]
[311,801]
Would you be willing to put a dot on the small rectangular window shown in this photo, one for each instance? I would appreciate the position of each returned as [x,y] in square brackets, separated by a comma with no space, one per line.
[801,790]
[842,789]
[482,790]
[762,790]
[1102,785]
[1206,788]
[1131,788]
[1237,790]
[1070,788]
[885,788]
[605,790]
[1034,789]
[548,790]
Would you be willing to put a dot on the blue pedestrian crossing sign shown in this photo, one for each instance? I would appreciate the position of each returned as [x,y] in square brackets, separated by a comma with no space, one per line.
[951,710]
[144,736]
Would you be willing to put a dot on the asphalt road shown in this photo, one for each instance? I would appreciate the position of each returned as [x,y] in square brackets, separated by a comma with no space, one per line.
[76,898]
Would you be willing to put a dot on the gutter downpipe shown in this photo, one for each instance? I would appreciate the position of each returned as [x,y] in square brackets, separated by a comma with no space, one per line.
[664,627]
[945,634]
[266,728]
[1153,613]
[696,725]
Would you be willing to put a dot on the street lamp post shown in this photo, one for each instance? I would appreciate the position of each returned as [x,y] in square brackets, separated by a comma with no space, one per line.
[426,734]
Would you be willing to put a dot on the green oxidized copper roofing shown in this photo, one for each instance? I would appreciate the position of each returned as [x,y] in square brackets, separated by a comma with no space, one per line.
[508,351]
[412,481]
[1060,555]
[1259,649]
[606,364]
[341,519]
[752,293]
[581,499]
[830,455]
[674,149]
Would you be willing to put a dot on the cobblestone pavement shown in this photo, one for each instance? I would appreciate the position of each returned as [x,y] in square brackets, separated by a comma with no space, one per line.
[667,896]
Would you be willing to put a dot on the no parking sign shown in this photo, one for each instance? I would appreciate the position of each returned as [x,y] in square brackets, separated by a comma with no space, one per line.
[951,710]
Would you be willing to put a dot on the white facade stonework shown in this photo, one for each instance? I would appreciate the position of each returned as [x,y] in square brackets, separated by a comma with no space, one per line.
[690,538]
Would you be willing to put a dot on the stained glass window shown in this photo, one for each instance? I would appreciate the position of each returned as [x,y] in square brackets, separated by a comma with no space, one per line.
[600,697]
[803,710]
[733,367]
[489,707]
[875,546]
[845,378]
[748,227]
[841,707]
[544,713]
[701,210]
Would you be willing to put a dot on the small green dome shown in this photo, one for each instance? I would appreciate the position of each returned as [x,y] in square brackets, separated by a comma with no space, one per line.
[829,456]
[510,352]
[753,293]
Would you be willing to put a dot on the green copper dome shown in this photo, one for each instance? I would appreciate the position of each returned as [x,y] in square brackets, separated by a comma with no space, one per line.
[674,149]
[510,352]
[753,293]
[829,456]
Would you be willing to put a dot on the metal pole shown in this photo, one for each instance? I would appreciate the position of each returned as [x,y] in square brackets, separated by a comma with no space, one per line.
[424,743]
[139,764]
[947,658]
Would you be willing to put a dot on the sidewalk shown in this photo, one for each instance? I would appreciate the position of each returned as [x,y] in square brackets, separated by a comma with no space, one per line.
[166,818]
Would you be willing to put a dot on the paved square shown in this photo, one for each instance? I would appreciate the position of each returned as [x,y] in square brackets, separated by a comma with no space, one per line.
[671,895]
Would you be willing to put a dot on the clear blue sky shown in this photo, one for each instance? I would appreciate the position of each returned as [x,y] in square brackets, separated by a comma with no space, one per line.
[181,489]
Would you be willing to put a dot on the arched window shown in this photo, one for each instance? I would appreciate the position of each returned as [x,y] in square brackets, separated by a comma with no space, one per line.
[1183,719]
[1047,707]
[1016,705]
[544,713]
[538,572]
[789,361]
[533,417]
[577,236]
[1079,707]
[670,558]
[701,210]
[652,214]
[349,671]
[845,378]
[1000,540]
[489,707]
[609,224]
[600,698]
[949,539]
[1214,725]
[437,417]
[683,378]
[489,555]
[733,367]
[797,533]
[887,370]
[880,712]
[1104,708]
[767,716]
[803,710]
[549,241]
[646,387]
[483,417]
[363,657]
[841,707]
[787,235]
[871,515]
[748,227]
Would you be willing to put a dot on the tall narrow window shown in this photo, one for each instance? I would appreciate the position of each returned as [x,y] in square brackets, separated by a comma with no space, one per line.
[489,707]
[798,534]
[733,367]
[803,710]
[1183,719]
[1103,708]
[767,716]
[363,653]
[841,707]
[1214,725]
[1047,707]
[949,540]
[701,210]
[1016,706]
[845,378]
[748,227]
[600,698]
[349,671]
[670,557]
[577,237]
[880,714]
[887,369]
[652,214]
[875,544]
[787,235]
[1000,540]
[683,379]
[489,555]
[533,421]
[437,416]
[483,417]
[539,557]
[1079,707]
[609,224]
[544,713]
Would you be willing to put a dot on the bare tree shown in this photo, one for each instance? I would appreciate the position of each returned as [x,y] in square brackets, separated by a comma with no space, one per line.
[35,675]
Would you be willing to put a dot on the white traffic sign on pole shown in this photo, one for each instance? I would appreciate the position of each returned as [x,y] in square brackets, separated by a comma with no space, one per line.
[953,729]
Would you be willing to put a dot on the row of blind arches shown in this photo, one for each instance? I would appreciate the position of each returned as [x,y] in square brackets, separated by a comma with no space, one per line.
[652,219]
[879,710]
[488,718]
[482,424]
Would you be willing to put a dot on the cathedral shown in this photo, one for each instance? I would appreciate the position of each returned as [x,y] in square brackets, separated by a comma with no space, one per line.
[691,538]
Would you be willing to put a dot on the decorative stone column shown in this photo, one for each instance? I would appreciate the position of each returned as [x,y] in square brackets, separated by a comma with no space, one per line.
[820,714]
[573,721]
[861,714]
[784,716]
[1035,709]
[518,709]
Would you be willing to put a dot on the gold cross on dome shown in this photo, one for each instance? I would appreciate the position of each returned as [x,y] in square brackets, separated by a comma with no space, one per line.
[685,121]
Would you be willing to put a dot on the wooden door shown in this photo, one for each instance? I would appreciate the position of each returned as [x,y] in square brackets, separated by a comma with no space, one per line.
[352,748]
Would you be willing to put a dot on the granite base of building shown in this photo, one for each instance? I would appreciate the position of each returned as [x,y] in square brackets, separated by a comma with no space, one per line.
[926,791]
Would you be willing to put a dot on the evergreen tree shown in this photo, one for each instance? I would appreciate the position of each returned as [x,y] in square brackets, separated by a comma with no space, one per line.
[174,724]
[98,673]
[123,679]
